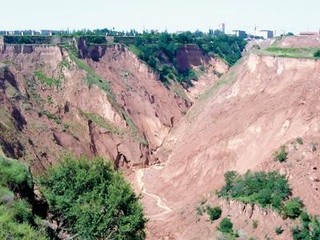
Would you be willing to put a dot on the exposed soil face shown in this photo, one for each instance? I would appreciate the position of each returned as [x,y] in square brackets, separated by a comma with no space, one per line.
[40,120]
[300,41]
[49,107]
[266,102]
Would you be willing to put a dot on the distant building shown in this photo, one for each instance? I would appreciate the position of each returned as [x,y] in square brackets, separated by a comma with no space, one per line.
[46,32]
[26,32]
[240,33]
[266,34]
[223,27]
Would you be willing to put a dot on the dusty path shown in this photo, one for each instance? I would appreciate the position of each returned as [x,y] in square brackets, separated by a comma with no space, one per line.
[159,202]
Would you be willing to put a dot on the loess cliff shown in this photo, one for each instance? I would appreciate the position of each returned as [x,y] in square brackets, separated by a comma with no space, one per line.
[262,103]
[175,144]
[84,100]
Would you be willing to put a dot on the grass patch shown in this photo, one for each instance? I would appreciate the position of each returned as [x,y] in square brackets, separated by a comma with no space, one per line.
[51,116]
[133,129]
[178,89]
[134,49]
[101,122]
[291,52]
[44,79]
[92,78]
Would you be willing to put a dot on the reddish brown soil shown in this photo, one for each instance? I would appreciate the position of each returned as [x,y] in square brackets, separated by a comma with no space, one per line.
[266,103]
[300,41]
[41,122]
[260,104]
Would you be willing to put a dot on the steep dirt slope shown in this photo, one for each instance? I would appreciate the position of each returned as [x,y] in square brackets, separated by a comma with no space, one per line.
[261,104]
[106,102]
[52,103]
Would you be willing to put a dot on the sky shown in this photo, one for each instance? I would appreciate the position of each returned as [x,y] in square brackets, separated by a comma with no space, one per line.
[171,15]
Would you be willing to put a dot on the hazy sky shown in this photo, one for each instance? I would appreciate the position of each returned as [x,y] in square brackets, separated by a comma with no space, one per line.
[171,15]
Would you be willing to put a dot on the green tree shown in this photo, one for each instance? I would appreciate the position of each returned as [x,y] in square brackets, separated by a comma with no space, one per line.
[226,226]
[292,208]
[93,200]
[16,218]
[214,213]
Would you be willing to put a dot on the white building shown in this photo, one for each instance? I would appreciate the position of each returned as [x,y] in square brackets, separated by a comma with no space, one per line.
[265,34]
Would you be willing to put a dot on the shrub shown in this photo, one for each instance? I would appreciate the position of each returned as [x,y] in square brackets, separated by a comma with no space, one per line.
[16,218]
[292,208]
[313,147]
[317,54]
[92,200]
[255,224]
[260,187]
[279,230]
[299,140]
[281,155]
[226,226]
[214,213]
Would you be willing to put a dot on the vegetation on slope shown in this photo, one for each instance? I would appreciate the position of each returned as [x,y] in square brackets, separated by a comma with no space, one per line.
[16,218]
[265,189]
[93,201]
[89,198]
[317,54]
[271,189]
[309,228]
[101,122]
[159,50]
[291,52]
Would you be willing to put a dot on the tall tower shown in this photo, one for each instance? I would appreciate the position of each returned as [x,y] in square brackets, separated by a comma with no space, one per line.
[223,28]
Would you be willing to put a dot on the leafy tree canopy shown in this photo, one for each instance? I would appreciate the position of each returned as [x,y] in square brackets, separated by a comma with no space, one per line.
[263,188]
[93,200]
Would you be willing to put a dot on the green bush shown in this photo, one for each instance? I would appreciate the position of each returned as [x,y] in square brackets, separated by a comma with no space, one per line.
[309,230]
[279,230]
[281,155]
[16,218]
[317,54]
[226,226]
[263,188]
[214,213]
[292,208]
[15,176]
[93,200]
